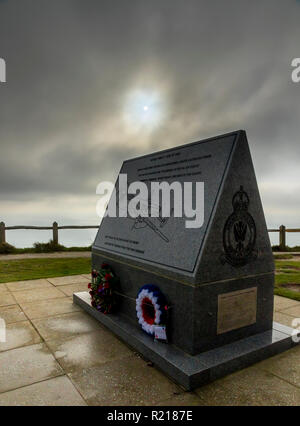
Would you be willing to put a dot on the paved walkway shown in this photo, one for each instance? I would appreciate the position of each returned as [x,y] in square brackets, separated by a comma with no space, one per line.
[55,255]
[294,253]
[296,256]
[55,354]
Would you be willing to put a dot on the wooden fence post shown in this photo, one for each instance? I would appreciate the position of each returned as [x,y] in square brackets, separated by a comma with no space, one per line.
[55,233]
[282,239]
[2,233]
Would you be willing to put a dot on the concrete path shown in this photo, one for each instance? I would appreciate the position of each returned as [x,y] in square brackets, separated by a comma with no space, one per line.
[295,257]
[55,354]
[55,255]
[294,253]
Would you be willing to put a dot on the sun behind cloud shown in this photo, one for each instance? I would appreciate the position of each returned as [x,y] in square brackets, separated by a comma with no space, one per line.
[143,110]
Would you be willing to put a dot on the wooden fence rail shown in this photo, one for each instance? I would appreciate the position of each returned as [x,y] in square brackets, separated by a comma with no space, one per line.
[282,230]
[55,228]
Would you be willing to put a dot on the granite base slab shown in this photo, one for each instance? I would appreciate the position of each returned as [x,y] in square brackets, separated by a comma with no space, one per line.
[193,371]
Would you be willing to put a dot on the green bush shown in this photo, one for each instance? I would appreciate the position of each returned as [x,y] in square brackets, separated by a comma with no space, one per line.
[48,247]
[287,248]
[295,248]
[89,248]
[6,248]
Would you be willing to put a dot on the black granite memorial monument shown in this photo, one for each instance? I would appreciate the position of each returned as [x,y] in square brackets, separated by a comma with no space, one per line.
[217,279]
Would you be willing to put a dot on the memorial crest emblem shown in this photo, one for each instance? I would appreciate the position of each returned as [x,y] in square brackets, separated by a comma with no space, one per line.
[239,234]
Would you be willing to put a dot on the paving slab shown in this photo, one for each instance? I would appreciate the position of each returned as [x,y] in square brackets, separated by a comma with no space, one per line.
[281,303]
[87,350]
[293,311]
[3,289]
[71,279]
[19,334]
[65,326]
[38,294]
[70,289]
[185,399]
[48,308]
[53,392]
[87,276]
[28,285]
[127,381]
[12,314]
[283,319]
[285,365]
[27,365]
[250,387]
[6,299]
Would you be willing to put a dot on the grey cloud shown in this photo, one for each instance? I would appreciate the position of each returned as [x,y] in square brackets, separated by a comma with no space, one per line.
[70,64]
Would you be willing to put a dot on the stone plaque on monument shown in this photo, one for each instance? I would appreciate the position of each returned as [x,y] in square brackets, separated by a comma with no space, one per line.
[237,309]
[216,279]
[159,244]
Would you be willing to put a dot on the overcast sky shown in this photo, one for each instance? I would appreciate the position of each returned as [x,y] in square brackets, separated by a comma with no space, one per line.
[80,71]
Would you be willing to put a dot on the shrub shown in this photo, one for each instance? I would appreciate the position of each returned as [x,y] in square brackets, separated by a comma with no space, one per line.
[6,248]
[48,247]
[89,248]
[287,248]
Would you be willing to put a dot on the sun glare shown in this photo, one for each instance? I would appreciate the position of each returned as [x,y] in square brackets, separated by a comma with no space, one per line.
[143,110]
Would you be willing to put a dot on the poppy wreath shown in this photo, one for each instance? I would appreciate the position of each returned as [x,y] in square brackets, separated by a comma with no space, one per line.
[151,308]
[102,289]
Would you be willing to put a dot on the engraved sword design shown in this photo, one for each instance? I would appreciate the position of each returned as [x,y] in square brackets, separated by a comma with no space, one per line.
[148,222]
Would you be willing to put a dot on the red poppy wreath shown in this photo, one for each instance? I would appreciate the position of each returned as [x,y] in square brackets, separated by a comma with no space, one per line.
[102,289]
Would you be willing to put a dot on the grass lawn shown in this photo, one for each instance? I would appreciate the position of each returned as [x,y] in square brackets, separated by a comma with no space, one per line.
[30,269]
[287,279]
